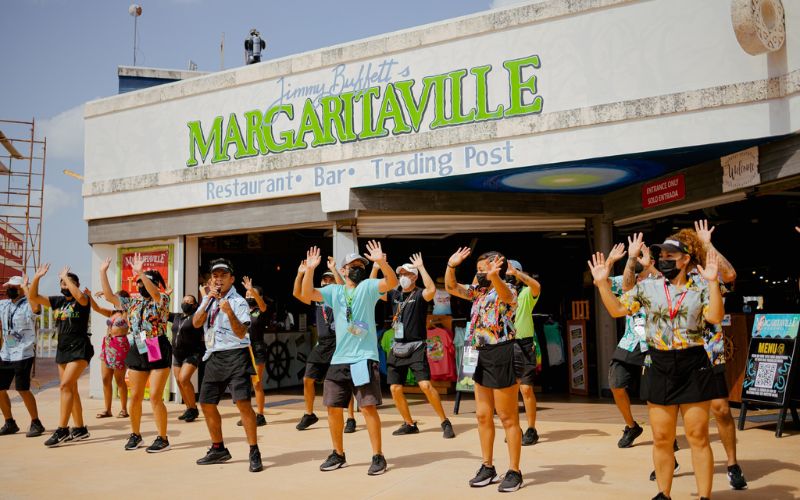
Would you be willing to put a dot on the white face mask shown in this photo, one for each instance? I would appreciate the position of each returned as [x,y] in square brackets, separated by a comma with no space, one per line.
[405,282]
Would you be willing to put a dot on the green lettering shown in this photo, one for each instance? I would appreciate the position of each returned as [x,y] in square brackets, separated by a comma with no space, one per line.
[199,143]
[439,115]
[516,87]
[310,123]
[456,109]
[232,136]
[288,137]
[481,88]
[255,133]
[415,109]
[348,98]
[391,109]
[366,97]
[332,119]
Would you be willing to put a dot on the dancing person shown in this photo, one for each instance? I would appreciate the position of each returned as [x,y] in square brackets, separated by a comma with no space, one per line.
[74,349]
[319,360]
[18,316]
[150,357]
[500,361]
[679,378]
[113,353]
[225,316]
[188,348]
[354,366]
[259,321]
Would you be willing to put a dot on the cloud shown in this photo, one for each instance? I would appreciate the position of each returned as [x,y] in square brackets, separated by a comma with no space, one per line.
[57,199]
[64,134]
[497,4]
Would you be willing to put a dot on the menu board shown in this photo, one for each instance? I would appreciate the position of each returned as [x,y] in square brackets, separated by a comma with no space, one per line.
[578,362]
[769,372]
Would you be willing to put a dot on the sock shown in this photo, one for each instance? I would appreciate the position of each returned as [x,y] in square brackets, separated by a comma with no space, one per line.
[218,446]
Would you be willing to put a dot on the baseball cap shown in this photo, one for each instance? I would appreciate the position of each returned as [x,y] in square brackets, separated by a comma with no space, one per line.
[328,274]
[14,281]
[221,266]
[515,264]
[669,245]
[352,257]
[408,268]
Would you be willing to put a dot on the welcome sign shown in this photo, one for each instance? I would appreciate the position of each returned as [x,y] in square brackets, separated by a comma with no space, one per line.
[398,108]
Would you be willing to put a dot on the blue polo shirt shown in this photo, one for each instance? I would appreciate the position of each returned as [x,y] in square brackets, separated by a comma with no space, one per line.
[218,324]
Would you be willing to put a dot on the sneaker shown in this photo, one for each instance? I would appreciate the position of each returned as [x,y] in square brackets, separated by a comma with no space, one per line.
[675,445]
[530,437]
[255,461]
[36,429]
[239,423]
[134,441]
[78,434]
[675,471]
[185,414]
[447,429]
[307,421]
[215,456]
[736,478]
[406,429]
[512,481]
[333,462]
[59,436]
[159,445]
[191,414]
[486,475]
[661,496]
[350,426]
[261,421]
[10,427]
[629,435]
[378,466]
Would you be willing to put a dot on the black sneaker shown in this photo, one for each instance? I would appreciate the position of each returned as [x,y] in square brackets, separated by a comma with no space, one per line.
[78,434]
[10,427]
[185,414]
[350,426]
[307,421]
[675,445]
[36,429]
[447,429]
[661,496]
[134,441]
[159,445]
[261,421]
[59,436]
[512,481]
[255,461]
[486,475]
[333,462]
[378,466]
[239,423]
[629,435]
[215,456]
[406,429]
[191,414]
[736,478]
[530,437]
[677,468]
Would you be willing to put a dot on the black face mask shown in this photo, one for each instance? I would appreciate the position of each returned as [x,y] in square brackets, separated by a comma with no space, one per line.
[483,281]
[188,308]
[638,268]
[66,293]
[669,268]
[357,274]
[143,292]
[251,302]
[12,293]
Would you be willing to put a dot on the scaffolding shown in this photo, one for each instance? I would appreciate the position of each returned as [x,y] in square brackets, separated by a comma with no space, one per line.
[22,163]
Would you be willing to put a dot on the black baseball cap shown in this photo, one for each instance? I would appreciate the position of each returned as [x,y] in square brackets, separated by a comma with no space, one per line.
[220,265]
[670,245]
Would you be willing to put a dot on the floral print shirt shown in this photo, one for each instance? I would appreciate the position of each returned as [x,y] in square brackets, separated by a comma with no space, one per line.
[146,315]
[634,335]
[683,329]
[714,338]
[491,321]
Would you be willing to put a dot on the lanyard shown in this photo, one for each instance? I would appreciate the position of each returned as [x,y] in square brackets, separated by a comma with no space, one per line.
[349,301]
[673,312]
[10,320]
[398,315]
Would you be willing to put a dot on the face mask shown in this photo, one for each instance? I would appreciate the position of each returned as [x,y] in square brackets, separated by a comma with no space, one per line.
[188,308]
[65,292]
[483,281]
[638,268]
[669,268]
[251,302]
[405,282]
[357,274]
[12,293]
[143,292]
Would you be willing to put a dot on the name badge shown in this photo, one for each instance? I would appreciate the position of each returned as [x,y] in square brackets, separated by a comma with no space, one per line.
[398,330]
[141,344]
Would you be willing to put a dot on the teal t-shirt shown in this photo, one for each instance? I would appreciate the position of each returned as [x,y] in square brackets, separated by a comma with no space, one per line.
[356,340]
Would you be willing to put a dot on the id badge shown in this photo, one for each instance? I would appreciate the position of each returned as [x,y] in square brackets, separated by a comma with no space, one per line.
[141,344]
[398,331]
[210,336]
[358,328]
[638,327]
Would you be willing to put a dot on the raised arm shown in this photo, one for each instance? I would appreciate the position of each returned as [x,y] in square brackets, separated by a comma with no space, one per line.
[526,280]
[138,268]
[376,255]
[452,286]
[430,285]
[95,306]
[726,270]
[33,293]
[600,274]
[206,296]
[73,287]
[332,268]
[504,293]
[716,309]
[108,292]
[297,289]
[635,245]
[313,260]
[248,285]
[35,307]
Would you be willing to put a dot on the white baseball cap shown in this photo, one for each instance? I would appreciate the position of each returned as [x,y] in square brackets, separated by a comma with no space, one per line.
[352,257]
[408,268]
[14,281]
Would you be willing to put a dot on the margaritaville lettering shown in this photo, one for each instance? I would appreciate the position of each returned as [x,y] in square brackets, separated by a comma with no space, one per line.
[393,109]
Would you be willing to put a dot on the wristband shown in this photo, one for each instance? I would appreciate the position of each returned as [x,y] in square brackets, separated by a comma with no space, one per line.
[451,267]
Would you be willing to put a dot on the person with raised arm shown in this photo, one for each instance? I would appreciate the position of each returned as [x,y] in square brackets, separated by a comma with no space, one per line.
[113,353]
[259,321]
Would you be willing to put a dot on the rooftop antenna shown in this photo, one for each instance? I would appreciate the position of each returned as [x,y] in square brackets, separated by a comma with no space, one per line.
[135,10]
[222,52]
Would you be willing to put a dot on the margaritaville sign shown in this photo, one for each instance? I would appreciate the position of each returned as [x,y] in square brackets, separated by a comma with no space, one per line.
[397,108]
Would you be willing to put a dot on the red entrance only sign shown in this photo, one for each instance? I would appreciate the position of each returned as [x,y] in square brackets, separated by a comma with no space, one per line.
[663,191]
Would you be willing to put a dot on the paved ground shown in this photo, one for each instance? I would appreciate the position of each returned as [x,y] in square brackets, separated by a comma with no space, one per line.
[577,458]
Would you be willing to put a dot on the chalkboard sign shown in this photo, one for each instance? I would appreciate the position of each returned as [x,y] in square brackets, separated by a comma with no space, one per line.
[769,371]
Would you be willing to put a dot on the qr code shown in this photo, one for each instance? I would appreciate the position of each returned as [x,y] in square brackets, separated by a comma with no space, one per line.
[765,376]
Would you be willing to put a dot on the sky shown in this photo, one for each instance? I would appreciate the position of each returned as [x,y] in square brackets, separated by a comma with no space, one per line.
[59,54]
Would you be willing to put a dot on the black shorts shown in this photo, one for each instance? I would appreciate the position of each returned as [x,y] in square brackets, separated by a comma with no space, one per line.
[720,382]
[75,350]
[260,353]
[622,375]
[180,358]
[316,371]
[19,372]
[322,353]
[499,365]
[397,368]
[679,377]
[338,387]
[529,369]
[140,362]
[223,368]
